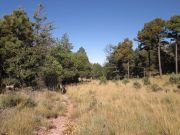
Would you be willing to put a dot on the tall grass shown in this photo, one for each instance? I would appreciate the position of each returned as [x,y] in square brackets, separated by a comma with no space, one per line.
[22,113]
[119,109]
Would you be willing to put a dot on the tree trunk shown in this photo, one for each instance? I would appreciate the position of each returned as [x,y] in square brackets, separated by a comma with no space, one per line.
[128,69]
[176,57]
[159,59]
[149,57]
[144,70]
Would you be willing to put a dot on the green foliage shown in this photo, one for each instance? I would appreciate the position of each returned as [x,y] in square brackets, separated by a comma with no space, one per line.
[29,102]
[156,88]
[97,71]
[28,52]
[146,81]
[120,60]
[10,81]
[174,79]
[21,60]
[65,43]
[52,72]
[174,24]
[103,80]
[82,63]
[150,37]
[137,85]
[125,81]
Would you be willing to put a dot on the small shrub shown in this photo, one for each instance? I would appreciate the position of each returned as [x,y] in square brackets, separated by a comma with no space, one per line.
[93,103]
[156,87]
[178,86]
[115,81]
[146,81]
[167,100]
[174,79]
[137,85]
[176,90]
[11,100]
[103,80]
[10,81]
[51,114]
[29,102]
[125,81]
[2,90]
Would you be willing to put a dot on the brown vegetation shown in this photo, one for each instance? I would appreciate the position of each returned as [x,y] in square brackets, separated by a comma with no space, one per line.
[116,108]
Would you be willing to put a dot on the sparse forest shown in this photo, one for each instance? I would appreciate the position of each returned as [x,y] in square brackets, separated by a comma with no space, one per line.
[31,56]
[47,88]
[156,54]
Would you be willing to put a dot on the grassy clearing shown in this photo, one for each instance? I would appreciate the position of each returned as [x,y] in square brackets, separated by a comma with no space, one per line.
[22,113]
[117,108]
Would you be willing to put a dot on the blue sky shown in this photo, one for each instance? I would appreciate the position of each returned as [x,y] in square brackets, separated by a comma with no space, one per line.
[94,24]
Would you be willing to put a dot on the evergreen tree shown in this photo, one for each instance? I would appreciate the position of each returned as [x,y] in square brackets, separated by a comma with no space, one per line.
[150,38]
[16,42]
[173,26]
[97,71]
[82,63]
[65,43]
[120,60]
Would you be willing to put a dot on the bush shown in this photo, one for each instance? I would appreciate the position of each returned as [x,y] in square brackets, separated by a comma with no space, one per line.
[178,86]
[174,79]
[10,81]
[103,80]
[146,81]
[29,102]
[2,90]
[125,81]
[11,100]
[137,85]
[156,87]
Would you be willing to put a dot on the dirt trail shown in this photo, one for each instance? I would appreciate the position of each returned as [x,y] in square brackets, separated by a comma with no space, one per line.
[63,124]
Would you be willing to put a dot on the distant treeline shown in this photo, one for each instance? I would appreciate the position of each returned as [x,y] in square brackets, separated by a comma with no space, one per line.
[157,52]
[31,56]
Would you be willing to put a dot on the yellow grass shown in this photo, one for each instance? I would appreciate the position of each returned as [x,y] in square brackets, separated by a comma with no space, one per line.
[24,120]
[118,109]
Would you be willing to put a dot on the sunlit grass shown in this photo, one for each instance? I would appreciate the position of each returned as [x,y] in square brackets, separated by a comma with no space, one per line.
[116,108]
[22,113]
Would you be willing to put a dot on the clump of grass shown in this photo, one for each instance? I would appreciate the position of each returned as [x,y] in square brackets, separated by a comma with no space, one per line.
[174,79]
[11,100]
[103,80]
[178,85]
[29,102]
[146,81]
[167,100]
[137,85]
[125,81]
[155,88]
[93,103]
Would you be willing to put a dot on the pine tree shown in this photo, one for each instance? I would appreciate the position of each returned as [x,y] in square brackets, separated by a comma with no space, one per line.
[173,26]
[150,37]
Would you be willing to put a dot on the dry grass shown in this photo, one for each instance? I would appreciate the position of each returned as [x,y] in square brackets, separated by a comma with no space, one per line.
[22,113]
[118,109]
